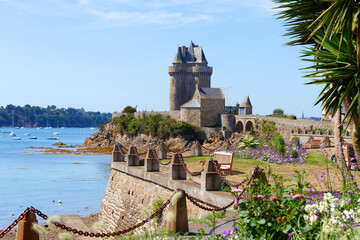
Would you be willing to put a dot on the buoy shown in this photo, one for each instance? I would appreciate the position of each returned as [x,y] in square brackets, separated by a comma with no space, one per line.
[60,202]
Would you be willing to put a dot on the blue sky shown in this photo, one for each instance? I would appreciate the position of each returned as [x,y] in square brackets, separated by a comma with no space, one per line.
[106,54]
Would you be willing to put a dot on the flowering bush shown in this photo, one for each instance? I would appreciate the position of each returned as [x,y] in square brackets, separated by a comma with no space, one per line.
[269,154]
[334,216]
[270,211]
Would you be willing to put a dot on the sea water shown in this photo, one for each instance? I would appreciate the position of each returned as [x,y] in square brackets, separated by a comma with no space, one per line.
[30,178]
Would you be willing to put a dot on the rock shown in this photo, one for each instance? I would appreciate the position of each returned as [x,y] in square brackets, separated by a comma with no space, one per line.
[58,144]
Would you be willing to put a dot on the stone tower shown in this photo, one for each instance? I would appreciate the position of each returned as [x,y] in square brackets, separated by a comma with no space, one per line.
[189,69]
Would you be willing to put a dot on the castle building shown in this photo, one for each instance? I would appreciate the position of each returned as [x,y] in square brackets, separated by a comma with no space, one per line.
[189,69]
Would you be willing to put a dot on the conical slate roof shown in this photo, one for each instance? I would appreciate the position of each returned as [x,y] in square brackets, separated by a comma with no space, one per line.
[246,102]
[191,54]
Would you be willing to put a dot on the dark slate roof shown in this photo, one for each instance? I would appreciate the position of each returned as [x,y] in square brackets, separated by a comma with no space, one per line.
[191,54]
[246,102]
[191,104]
[213,93]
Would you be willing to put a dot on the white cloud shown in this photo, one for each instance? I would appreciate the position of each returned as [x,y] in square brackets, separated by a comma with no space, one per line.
[162,18]
[171,13]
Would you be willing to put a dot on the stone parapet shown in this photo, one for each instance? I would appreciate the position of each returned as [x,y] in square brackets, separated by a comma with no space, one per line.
[130,190]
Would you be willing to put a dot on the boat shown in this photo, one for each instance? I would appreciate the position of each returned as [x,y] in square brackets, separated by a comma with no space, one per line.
[16,138]
[27,134]
[92,128]
[13,134]
[33,137]
[53,138]
[56,133]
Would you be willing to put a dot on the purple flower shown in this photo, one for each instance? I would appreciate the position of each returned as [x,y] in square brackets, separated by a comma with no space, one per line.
[226,233]
[350,191]
[290,235]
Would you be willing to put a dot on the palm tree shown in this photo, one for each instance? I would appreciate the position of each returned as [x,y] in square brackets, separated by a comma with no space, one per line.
[331,31]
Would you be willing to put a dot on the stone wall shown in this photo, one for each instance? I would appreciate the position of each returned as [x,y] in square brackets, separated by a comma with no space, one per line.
[210,111]
[130,190]
[191,115]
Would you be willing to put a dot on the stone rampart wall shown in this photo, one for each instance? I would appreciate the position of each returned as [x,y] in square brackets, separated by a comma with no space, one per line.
[131,191]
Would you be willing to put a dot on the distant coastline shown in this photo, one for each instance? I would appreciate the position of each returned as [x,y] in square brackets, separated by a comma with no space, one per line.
[38,117]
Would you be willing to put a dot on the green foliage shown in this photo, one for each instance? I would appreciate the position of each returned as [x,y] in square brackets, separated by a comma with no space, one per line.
[248,141]
[129,109]
[157,203]
[33,116]
[278,111]
[268,126]
[269,212]
[279,143]
[292,116]
[224,187]
[159,125]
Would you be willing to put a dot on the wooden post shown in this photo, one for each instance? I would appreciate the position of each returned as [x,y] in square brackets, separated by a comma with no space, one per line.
[25,229]
[177,212]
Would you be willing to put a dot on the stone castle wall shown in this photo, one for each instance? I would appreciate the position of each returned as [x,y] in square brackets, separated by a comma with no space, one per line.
[131,191]
[183,79]
[192,115]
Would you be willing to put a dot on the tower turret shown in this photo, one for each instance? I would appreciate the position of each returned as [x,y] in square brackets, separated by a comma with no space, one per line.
[189,68]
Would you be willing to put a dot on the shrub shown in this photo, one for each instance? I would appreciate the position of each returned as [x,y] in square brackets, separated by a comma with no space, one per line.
[157,203]
[268,126]
[279,143]
[159,125]
[129,109]
[278,111]
[291,116]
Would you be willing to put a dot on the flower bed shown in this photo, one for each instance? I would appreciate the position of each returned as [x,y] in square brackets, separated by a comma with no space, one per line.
[269,154]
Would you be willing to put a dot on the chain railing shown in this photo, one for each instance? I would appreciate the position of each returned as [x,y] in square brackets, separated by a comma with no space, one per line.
[214,149]
[184,150]
[185,167]
[120,232]
[217,168]
[14,223]
[158,160]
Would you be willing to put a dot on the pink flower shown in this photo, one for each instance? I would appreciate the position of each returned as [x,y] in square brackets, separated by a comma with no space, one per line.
[272,198]
[236,201]
[260,197]
[297,196]
[238,190]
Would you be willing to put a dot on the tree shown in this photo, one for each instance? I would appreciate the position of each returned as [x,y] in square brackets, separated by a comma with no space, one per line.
[330,30]
[129,109]
[278,111]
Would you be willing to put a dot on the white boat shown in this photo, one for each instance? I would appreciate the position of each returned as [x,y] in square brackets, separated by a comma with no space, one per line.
[53,138]
[16,138]
[56,133]
[13,134]
[92,128]
[27,134]
[33,137]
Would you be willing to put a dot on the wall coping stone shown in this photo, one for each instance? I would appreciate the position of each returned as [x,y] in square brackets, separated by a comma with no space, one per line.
[211,198]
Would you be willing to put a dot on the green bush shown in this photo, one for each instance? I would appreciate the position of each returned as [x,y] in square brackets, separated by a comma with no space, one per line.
[279,143]
[268,126]
[157,203]
[159,125]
